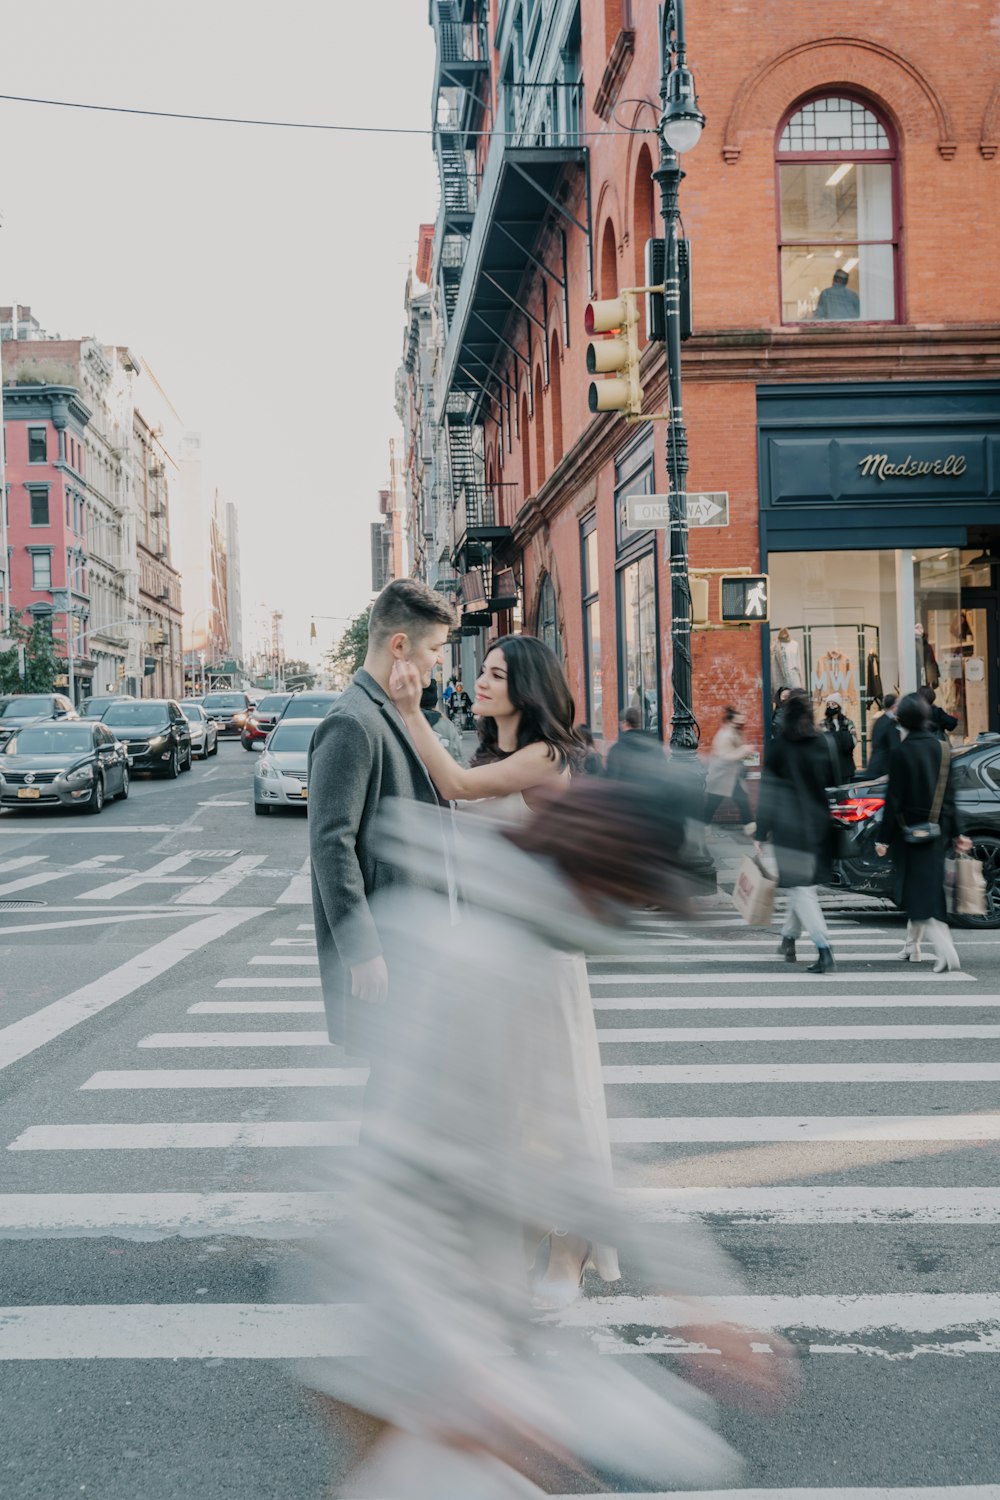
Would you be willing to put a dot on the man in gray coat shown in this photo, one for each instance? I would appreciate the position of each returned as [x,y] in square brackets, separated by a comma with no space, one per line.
[361,754]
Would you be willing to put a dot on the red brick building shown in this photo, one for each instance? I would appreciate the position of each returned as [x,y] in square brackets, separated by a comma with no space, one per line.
[843,380]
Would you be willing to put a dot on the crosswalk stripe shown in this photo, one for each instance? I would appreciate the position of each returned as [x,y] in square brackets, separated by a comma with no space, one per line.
[736,1129]
[661,948]
[842,976]
[284,942]
[182,1039]
[165,872]
[852,1492]
[276,1215]
[820,1205]
[683,1034]
[729,1073]
[651,965]
[209,1135]
[230,1078]
[28,882]
[256,1008]
[6,865]
[269,984]
[872,1324]
[820,999]
[306,927]
[217,886]
[298,891]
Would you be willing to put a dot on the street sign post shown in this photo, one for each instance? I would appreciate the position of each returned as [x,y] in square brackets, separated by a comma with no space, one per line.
[745,599]
[704,508]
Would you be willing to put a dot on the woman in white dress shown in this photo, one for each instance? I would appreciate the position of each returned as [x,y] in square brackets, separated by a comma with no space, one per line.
[528,749]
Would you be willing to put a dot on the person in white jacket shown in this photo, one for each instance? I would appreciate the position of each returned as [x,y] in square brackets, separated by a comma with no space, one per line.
[726,762]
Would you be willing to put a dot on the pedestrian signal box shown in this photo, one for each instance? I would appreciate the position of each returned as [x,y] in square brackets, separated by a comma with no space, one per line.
[745,599]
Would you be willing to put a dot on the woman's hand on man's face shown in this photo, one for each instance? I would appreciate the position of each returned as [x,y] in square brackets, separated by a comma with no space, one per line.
[405,688]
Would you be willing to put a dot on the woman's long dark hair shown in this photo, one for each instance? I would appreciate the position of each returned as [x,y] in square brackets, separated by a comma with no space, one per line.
[797,716]
[536,684]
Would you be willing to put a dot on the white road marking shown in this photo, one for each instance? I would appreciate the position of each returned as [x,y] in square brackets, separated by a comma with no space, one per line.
[820,999]
[163,873]
[155,1215]
[7,865]
[217,887]
[820,1205]
[210,1135]
[230,1078]
[267,984]
[306,927]
[298,892]
[293,943]
[28,882]
[244,803]
[236,1039]
[23,1037]
[900,1492]
[105,921]
[733,957]
[256,1008]
[732,1130]
[104,827]
[936,1323]
[275,958]
[636,1035]
[726,1073]
[667,948]
[840,977]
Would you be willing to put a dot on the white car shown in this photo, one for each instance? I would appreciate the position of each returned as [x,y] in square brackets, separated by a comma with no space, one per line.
[279,777]
[204,735]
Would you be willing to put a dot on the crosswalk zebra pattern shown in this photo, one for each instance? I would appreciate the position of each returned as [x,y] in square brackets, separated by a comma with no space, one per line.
[807,1119]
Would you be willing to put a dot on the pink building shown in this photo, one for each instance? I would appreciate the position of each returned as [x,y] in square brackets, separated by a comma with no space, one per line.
[44,429]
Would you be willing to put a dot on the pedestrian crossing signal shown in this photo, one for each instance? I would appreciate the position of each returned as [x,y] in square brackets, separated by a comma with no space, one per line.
[745,599]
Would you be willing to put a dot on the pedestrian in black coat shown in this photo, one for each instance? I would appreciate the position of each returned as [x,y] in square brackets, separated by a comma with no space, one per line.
[886,735]
[794,813]
[915,767]
[941,723]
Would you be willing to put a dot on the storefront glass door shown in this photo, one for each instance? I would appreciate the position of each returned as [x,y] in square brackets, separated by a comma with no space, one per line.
[975,690]
[638,672]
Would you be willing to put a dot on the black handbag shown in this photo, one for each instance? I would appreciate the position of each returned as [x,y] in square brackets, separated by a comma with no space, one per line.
[926,833]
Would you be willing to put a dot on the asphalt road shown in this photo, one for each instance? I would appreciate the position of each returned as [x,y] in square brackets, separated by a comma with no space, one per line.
[159,1012]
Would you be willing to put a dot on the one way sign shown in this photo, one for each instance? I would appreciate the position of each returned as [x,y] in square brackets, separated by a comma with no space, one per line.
[708,507]
[745,599]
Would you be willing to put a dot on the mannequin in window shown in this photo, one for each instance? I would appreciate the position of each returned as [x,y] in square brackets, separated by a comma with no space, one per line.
[837,301]
[786,662]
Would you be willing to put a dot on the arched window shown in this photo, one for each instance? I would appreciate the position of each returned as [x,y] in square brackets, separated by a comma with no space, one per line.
[547,621]
[555,392]
[643,225]
[525,446]
[838,215]
[609,261]
[539,429]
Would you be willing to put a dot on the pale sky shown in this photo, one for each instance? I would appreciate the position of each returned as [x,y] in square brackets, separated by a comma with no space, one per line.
[259,272]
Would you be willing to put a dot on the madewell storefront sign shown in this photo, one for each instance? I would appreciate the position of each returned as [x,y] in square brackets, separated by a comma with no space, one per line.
[881,466]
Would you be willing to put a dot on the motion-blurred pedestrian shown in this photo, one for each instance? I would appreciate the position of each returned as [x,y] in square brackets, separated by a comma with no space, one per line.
[633,750]
[441,724]
[886,735]
[794,814]
[941,723]
[920,821]
[593,761]
[727,764]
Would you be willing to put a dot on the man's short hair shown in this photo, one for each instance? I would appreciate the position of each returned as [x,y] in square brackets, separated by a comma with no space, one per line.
[409,606]
[840,275]
[890,700]
[633,718]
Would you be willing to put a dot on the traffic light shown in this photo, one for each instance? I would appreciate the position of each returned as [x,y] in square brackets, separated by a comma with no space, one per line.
[699,601]
[616,356]
[121,672]
[155,636]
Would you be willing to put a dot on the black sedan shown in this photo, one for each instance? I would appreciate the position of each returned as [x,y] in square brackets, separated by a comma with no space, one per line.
[156,734]
[308,705]
[19,709]
[228,711]
[63,765]
[858,812]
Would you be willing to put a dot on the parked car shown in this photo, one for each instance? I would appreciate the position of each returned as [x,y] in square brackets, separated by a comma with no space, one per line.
[204,735]
[93,708]
[155,732]
[78,764]
[308,705]
[19,709]
[279,777]
[857,810]
[263,719]
[228,711]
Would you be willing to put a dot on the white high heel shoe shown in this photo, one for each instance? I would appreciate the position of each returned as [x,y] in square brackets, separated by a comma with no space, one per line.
[910,953]
[952,965]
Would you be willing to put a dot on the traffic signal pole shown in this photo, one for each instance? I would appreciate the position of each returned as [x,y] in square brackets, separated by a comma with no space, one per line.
[680,123]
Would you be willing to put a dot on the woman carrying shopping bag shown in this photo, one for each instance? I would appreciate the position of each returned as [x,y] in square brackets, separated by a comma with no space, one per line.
[794,813]
[727,763]
[919,824]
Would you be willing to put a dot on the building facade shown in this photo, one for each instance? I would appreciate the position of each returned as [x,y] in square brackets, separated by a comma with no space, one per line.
[842,384]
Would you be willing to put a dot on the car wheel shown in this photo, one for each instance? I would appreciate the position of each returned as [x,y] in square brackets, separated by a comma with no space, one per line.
[96,803]
[261,810]
[173,766]
[246,742]
[123,794]
[985,848]
[189,762]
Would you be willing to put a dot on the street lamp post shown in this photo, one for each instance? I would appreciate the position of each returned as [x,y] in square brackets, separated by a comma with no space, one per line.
[681,124]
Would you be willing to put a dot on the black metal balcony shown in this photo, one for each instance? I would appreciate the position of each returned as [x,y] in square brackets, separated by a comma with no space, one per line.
[481,521]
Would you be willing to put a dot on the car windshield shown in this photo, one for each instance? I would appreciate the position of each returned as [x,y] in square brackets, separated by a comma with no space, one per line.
[51,739]
[272,705]
[291,737]
[193,711]
[215,701]
[308,708]
[130,715]
[18,708]
[94,708]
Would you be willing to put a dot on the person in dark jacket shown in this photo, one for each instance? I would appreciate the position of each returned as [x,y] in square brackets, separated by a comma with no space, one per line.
[941,723]
[843,734]
[886,735]
[629,756]
[915,768]
[779,703]
[593,761]
[794,813]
